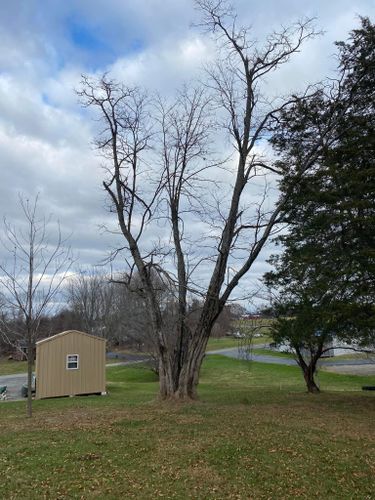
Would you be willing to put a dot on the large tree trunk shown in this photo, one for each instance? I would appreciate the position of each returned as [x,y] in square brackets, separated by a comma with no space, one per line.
[196,348]
[166,380]
[189,375]
[184,377]
[180,383]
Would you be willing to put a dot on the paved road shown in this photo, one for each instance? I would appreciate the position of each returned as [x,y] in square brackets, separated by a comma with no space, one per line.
[262,358]
[267,358]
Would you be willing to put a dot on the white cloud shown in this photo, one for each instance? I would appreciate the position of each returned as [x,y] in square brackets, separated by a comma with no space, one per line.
[165,67]
[45,136]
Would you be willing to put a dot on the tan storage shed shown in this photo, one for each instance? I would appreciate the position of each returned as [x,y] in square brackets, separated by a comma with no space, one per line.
[70,363]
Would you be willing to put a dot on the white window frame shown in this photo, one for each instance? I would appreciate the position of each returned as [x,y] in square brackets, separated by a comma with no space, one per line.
[70,361]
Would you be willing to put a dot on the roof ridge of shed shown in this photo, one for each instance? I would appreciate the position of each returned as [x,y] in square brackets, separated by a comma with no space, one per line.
[62,334]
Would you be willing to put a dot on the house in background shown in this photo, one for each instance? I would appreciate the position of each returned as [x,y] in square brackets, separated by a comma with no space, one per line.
[334,348]
[70,363]
[21,352]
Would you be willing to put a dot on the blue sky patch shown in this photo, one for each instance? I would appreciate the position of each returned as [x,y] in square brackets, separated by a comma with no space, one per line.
[101,48]
[83,36]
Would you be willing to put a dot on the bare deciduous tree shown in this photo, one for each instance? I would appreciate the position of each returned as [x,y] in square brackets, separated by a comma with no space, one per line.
[91,299]
[159,169]
[106,306]
[30,279]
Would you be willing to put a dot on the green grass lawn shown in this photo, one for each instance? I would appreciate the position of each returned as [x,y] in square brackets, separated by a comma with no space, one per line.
[255,433]
[228,342]
[9,367]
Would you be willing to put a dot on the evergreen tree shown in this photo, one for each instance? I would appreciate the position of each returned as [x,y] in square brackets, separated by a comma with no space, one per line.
[325,278]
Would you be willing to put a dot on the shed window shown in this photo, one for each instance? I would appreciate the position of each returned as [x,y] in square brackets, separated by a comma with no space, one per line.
[72,362]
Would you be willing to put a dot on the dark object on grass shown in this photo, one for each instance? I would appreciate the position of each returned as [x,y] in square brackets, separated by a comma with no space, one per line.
[3,392]
[368,388]
[24,388]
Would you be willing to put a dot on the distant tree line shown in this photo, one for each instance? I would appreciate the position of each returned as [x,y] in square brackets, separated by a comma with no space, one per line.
[101,305]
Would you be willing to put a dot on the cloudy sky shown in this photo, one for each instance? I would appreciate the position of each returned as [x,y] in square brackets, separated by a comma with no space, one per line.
[45,137]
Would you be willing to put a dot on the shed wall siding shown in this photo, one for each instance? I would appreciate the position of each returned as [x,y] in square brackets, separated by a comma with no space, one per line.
[53,379]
